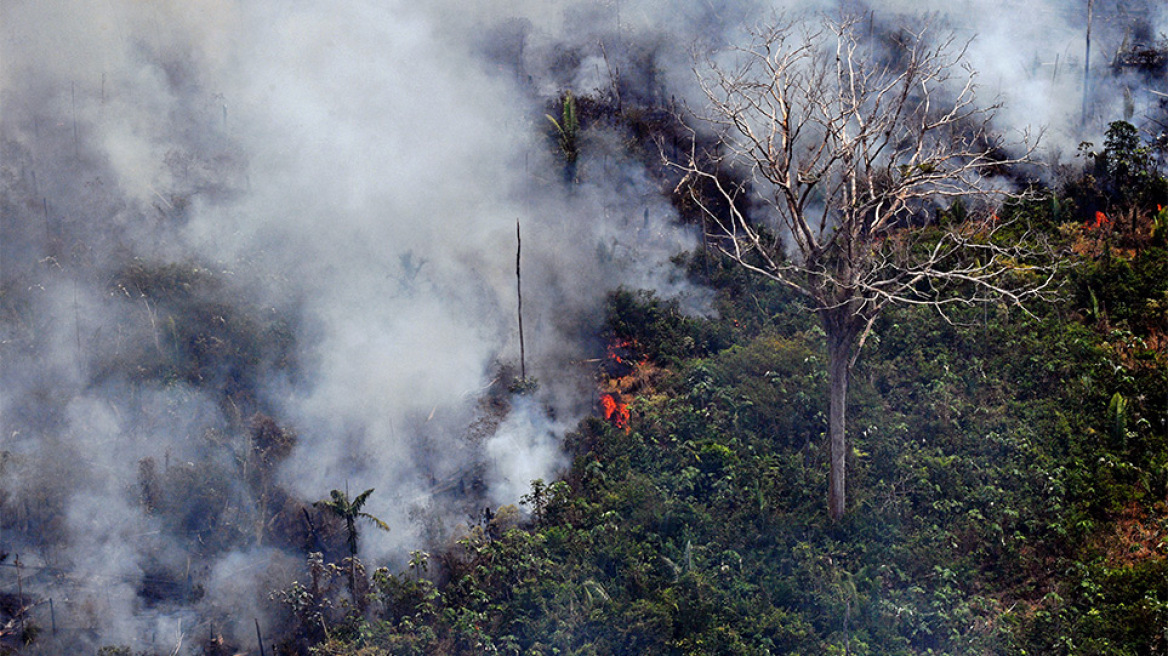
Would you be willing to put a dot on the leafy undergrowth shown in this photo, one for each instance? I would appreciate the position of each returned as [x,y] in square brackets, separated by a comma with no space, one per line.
[1008,483]
[1001,502]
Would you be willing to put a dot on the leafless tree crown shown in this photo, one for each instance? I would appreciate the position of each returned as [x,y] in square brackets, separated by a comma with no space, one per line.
[828,152]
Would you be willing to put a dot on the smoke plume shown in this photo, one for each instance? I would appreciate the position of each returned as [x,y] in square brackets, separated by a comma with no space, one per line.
[251,252]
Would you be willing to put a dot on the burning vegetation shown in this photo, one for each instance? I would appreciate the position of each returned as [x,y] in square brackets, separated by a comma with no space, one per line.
[624,370]
[204,336]
[615,410]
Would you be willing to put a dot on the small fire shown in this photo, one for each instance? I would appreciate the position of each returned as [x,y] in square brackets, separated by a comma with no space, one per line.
[615,347]
[1101,220]
[621,358]
[621,351]
[615,411]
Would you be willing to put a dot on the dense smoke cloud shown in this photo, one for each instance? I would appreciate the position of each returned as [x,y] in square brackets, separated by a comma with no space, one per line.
[221,214]
[244,172]
[1030,57]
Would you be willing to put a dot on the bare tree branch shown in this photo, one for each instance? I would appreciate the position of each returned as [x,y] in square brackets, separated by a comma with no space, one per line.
[828,161]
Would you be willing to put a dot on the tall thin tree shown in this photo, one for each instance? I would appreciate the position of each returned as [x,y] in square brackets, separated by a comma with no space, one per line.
[519,293]
[1087,64]
[350,511]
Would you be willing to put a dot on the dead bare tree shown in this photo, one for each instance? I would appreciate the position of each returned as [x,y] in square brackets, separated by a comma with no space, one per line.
[827,165]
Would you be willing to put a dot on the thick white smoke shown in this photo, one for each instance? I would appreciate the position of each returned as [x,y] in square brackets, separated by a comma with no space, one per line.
[356,171]
[350,174]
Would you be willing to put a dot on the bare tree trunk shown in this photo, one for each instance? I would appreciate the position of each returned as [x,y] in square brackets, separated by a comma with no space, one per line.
[259,636]
[838,355]
[1087,65]
[519,292]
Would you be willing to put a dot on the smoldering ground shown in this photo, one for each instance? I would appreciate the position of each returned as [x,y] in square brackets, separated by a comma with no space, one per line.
[252,252]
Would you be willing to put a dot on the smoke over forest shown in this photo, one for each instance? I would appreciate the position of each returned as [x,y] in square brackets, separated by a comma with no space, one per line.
[252,252]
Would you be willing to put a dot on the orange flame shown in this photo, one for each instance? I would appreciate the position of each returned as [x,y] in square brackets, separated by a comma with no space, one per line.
[1101,220]
[620,350]
[615,411]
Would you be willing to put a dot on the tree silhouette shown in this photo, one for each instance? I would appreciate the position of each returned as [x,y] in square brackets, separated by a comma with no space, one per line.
[350,511]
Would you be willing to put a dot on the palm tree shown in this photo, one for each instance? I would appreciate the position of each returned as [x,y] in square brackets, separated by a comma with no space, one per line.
[350,511]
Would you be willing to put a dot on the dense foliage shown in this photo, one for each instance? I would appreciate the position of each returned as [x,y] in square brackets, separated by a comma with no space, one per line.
[1011,478]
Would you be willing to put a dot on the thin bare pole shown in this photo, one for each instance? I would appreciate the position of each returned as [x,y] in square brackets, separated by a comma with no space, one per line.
[259,636]
[519,292]
[1087,62]
[73,94]
[77,329]
[20,594]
